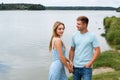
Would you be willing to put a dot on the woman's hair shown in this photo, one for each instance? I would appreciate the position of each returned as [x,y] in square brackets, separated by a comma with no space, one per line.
[54,34]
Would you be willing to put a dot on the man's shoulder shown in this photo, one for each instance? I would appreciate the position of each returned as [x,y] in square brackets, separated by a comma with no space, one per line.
[92,33]
[75,33]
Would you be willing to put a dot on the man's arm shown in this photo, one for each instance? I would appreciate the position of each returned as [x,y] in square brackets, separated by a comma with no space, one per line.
[71,57]
[95,56]
[71,53]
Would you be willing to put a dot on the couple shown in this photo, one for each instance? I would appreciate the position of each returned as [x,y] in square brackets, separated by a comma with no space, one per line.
[83,52]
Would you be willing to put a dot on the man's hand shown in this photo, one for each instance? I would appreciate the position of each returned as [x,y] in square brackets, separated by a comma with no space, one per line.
[88,65]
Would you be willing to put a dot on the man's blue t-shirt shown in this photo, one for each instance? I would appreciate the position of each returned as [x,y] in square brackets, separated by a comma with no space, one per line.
[83,44]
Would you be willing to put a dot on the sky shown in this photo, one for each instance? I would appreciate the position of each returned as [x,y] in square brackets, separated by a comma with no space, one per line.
[108,3]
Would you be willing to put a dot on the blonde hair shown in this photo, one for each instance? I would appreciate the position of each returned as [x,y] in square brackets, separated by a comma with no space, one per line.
[54,34]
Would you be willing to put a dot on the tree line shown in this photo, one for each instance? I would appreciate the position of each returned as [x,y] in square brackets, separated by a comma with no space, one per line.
[21,7]
[79,8]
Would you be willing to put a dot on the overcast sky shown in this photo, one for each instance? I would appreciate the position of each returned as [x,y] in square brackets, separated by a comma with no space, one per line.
[110,3]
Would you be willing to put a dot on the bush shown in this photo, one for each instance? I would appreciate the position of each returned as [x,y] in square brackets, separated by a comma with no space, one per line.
[116,41]
[107,22]
[117,47]
[118,9]
[112,31]
[103,34]
[110,36]
[115,24]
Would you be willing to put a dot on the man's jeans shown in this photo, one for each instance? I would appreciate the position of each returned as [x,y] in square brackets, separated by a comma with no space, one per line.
[82,73]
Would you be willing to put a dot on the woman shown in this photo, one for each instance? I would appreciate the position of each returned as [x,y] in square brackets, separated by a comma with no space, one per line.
[57,71]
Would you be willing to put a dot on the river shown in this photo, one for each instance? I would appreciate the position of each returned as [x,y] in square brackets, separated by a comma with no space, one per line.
[25,35]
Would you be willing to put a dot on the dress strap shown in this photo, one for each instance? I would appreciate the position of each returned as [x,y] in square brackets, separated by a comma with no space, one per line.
[53,43]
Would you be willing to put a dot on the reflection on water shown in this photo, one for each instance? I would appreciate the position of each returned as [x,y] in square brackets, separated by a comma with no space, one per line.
[4,71]
[25,37]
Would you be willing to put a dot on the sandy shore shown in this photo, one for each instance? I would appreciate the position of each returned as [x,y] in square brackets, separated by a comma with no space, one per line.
[102,70]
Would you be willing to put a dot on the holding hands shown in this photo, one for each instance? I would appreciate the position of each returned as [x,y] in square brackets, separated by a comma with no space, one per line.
[70,68]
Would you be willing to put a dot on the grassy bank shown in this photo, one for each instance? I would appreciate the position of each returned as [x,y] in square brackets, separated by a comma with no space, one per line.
[110,58]
[108,76]
[107,59]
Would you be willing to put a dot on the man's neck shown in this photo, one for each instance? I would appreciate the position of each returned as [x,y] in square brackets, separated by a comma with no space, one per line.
[84,31]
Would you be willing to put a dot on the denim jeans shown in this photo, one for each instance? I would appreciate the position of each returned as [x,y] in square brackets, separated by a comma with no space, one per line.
[82,73]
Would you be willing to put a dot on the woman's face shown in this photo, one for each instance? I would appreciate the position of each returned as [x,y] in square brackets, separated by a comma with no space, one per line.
[60,30]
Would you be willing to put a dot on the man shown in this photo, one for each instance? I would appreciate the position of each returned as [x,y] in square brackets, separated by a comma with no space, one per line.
[84,50]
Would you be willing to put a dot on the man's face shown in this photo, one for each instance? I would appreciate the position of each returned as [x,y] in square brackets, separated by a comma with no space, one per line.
[81,26]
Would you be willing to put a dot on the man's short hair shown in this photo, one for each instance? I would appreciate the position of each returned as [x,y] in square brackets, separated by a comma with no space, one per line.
[83,19]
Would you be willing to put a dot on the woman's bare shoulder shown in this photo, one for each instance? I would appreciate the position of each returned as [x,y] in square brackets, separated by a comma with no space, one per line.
[57,39]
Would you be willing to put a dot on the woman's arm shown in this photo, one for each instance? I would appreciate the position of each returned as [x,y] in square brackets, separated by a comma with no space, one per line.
[58,45]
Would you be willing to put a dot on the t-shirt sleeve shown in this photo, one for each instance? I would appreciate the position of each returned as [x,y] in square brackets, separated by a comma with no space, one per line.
[95,42]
